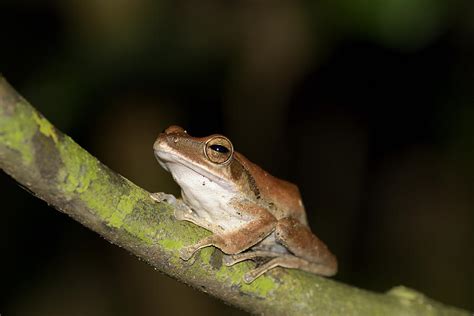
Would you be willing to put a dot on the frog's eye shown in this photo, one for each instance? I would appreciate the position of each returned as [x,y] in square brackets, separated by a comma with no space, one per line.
[219,150]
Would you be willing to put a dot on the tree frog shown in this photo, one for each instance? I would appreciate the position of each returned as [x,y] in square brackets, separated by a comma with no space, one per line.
[251,214]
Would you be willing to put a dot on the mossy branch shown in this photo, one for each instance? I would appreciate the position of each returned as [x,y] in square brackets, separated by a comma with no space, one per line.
[54,168]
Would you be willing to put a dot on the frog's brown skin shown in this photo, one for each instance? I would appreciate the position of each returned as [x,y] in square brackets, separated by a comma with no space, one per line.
[250,213]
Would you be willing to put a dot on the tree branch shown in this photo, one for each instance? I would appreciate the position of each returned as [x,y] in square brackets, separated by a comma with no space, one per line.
[59,171]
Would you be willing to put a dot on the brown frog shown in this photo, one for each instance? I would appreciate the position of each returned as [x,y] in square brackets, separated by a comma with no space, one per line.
[250,213]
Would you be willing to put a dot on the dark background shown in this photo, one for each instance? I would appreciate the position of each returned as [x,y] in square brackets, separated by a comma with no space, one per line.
[367,106]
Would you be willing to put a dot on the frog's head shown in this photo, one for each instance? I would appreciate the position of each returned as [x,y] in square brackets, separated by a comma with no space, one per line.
[185,156]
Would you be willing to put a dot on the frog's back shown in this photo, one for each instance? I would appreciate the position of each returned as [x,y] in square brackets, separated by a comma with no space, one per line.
[283,197]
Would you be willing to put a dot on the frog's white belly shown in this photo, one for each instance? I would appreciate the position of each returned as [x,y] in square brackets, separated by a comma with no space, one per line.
[209,200]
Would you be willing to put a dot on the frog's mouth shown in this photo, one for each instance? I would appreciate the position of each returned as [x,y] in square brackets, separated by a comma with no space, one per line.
[161,160]
[167,159]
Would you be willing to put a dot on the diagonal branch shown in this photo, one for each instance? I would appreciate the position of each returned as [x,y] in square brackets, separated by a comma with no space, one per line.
[59,171]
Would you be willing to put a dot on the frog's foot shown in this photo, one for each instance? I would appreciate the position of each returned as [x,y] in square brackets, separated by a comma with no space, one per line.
[229,260]
[283,261]
[290,262]
[163,197]
[188,254]
[249,277]
[182,212]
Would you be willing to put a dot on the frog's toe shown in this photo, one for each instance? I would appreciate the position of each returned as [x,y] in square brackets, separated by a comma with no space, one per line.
[228,260]
[163,197]
[180,216]
[182,212]
[249,277]
[186,253]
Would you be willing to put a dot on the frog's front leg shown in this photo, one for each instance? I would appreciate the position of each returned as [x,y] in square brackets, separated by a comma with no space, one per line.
[182,211]
[236,241]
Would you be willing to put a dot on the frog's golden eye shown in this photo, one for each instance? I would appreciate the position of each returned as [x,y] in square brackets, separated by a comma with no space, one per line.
[219,150]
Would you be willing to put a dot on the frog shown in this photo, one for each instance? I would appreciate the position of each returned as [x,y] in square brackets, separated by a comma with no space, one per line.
[251,214]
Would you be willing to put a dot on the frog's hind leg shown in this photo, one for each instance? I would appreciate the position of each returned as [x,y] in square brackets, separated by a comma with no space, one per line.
[230,260]
[307,252]
[287,261]
[300,241]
